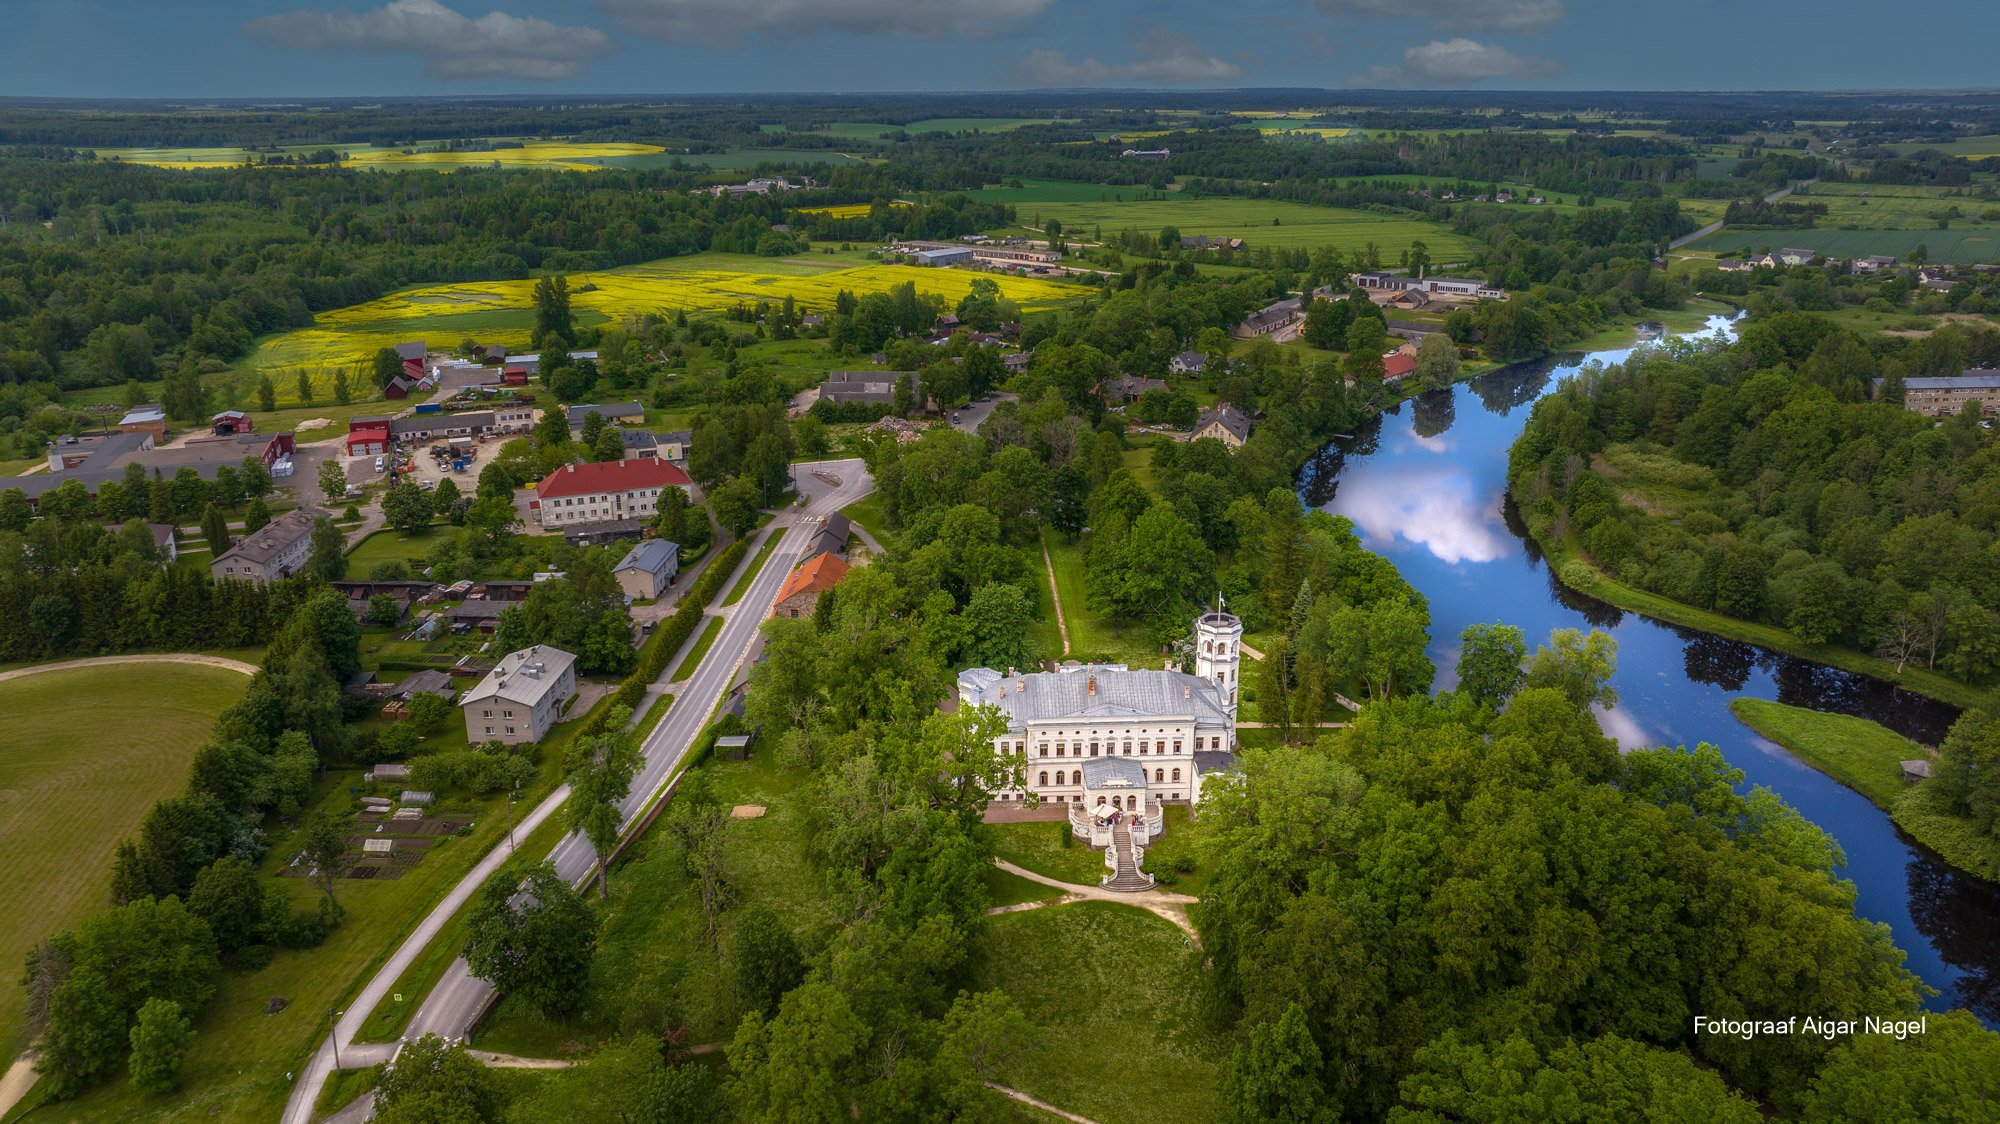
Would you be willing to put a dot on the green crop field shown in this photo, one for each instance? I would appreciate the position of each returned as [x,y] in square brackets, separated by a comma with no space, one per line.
[870,130]
[71,789]
[1874,206]
[1893,219]
[1259,222]
[1951,247]
[502,311]
[1972,148]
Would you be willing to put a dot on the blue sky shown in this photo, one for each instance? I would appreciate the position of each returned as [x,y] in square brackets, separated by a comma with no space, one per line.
[323,48]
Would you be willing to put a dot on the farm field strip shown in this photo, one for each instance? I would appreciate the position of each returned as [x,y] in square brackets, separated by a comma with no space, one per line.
[566,155]
[1950,247]
[501,311]
[1266,222]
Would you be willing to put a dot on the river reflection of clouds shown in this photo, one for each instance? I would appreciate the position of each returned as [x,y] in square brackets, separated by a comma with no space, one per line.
[1440,511]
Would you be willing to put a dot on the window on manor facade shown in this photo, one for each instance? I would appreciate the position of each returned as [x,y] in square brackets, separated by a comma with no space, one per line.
[1177,775]
[1045,777]
[1159,775]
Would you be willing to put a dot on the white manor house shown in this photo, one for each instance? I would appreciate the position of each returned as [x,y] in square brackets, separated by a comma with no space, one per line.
[1118,744]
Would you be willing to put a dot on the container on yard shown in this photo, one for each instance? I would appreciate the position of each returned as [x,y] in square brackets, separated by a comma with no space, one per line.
[429,408]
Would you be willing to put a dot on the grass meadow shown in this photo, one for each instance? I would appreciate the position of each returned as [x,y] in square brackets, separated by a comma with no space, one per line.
[243,1058]
[1259,222]
[1867,758]
[1119,1037]
[71,788]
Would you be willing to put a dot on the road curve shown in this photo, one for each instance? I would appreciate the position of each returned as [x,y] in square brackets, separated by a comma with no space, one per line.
[455,1005]
[222,662]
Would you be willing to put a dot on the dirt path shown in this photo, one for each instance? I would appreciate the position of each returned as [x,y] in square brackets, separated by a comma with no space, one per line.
[19,1078]
[511,1061]
[1016,1094]
[222,662]
[1055,595]
[1171,906]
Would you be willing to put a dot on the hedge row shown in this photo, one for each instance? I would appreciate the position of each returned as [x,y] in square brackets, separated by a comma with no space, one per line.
[670,637]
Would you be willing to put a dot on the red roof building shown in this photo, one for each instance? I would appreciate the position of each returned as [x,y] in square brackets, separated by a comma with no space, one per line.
[800,593]
[1398,366]
[368,441]
[607,490]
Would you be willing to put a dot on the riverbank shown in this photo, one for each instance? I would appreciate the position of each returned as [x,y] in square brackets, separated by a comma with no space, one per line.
[1675,322]
[1868,758]
[1568,562]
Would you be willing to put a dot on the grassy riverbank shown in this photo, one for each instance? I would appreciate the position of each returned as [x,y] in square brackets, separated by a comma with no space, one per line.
[1868,759]
[1577,572]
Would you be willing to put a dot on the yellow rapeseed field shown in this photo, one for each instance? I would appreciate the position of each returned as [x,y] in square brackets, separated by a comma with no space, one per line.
[846,210]
[565,155]
[502,311]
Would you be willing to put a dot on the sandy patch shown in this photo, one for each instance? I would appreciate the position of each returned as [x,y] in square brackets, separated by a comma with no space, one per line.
[746,811]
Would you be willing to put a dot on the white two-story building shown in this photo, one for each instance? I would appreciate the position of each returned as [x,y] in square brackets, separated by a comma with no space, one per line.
[1112,739]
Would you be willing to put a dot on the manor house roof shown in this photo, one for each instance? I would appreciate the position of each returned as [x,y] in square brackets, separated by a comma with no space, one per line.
[1094,691]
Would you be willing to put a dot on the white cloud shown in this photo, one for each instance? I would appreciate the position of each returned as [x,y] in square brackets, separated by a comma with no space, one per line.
[1452,63]
[495,45]
[1160,57]
[1513,16]
[729,21]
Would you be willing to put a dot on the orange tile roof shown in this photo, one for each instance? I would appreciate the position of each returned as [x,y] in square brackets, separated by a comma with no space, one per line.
[1396,366]
[821,573]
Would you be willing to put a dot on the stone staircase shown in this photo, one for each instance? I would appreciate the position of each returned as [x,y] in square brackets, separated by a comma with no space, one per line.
[1125,877]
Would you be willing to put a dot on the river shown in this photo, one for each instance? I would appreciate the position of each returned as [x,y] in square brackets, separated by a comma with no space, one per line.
[1425,485]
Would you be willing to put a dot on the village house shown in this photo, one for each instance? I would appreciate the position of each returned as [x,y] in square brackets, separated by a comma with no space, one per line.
[1127,389]
[873,388]
[164,539]
[617,413]
[831,537]
[1874,263]
[647,569]
[1225,423]
[624,489]
[1146,153]
[1397,365]
[800,593]
[1271,318]
[150,419]
[91,461]
[437,426]
[521,698]
[1188,363]
[1731,265]
[273,552]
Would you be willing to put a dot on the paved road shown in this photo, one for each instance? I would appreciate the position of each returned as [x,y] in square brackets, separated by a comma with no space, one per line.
[971,415]
[458,1001]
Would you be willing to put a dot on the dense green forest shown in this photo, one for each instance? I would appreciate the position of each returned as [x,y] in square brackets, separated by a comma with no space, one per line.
[1761,482]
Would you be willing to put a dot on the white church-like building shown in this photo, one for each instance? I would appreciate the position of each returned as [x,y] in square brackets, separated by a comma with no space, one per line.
[1118,744]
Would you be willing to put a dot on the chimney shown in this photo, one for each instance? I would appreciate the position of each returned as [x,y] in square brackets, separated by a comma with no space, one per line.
[1011,673]
[1187,693]
[569,468]
[1093,684]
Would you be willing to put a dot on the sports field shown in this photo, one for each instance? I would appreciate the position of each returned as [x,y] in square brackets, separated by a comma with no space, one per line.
[502,311]
[1259,222]
[72,787]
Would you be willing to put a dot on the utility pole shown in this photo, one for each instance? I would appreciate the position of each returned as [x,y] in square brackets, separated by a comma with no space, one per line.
[333,1025]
